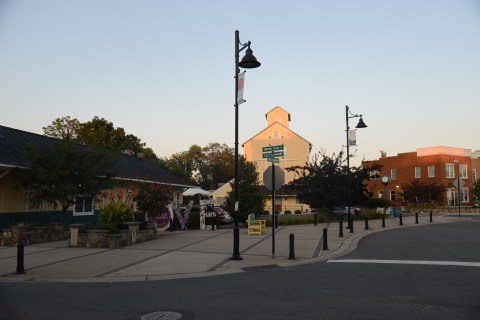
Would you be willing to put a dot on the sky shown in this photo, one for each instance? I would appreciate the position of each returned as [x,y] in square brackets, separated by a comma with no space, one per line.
[164,70]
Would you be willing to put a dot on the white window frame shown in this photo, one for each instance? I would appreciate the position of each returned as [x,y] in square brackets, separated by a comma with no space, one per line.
[463,171]
[464,195]
[392,195]
[431,171]
[83,212]
[450,171]
[380,194]
[418,172]
[474,174]
[393,174]
[374,174]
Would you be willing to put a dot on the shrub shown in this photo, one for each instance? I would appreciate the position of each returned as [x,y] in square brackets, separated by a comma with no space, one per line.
[114,211]
[288,212]
[377,203]
[298,211]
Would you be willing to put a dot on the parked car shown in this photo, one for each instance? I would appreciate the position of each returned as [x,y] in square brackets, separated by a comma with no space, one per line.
[340,212]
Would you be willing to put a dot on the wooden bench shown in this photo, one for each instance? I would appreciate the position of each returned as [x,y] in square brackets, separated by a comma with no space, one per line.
[256,226]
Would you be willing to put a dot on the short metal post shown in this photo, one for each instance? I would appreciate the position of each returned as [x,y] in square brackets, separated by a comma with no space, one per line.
[291,255]
[431,220]
[416,217]
[325,245]
[366,223]
[315,219]
[171,225]
[20,257]
[350,222]
[401,220]
[340,231]
[383,220]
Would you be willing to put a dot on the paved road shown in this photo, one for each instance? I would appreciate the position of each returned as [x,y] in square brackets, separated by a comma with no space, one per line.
[324,290]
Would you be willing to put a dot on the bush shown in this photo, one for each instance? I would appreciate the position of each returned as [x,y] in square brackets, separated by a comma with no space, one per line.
[298,211]
[114,213]
[288,212]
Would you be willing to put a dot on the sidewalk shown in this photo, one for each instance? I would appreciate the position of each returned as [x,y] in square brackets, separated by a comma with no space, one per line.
[192,253]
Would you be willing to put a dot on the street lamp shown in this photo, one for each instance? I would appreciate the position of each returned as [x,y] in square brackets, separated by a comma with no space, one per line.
[248,62]
[361,124]
[458,184]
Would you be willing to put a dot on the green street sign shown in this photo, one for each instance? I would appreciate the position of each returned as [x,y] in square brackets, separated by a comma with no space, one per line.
[272,148]
[273,154]
[274,160]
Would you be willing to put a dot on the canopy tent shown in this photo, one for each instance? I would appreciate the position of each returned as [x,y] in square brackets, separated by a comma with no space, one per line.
[195,191]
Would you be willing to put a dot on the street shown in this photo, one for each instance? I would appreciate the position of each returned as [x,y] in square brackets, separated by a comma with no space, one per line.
[346,289]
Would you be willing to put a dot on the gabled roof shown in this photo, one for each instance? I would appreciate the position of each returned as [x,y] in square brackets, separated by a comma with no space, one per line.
[278,107]
[279,124]
[13,153]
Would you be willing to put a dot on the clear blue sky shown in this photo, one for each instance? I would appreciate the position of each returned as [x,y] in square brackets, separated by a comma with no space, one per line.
[163,70]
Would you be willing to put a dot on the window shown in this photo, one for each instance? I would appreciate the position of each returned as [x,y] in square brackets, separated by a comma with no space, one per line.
[374,174]
[297,200]
[474,174]
[83,206]
[418,172]
[392,195]
[464,194]
[463,172]
[380,194]
[431,171]
[450,170]
[276,134]
[393,174]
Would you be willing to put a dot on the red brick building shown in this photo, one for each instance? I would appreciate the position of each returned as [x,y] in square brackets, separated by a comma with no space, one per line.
[443,165]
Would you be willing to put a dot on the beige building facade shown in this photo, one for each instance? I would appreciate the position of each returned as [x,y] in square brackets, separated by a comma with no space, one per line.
[296,152]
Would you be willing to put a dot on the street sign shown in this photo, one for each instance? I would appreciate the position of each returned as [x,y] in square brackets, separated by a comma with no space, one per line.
[272,148]
[274,160]
[273,154]
[279,177]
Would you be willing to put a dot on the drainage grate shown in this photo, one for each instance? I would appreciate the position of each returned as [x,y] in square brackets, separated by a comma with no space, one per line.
[264,267]
[162,315]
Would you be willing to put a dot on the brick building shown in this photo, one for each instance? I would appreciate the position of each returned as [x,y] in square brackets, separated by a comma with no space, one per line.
[445,165]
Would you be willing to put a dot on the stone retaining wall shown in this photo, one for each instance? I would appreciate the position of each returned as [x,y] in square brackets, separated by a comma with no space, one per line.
[104,239]
[32,235]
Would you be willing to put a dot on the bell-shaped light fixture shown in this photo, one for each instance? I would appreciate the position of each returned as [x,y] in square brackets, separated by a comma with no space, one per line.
[249,61]
[361,124]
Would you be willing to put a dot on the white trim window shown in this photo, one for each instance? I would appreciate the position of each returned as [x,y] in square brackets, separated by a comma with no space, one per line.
[380,194]
[450,173]
[463,171]
[431,171]
[474,174]
[418,172]
[392,195]
[393,174]
[464,194]
[83,206]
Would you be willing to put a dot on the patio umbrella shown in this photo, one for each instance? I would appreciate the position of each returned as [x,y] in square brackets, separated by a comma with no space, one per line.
[195,191]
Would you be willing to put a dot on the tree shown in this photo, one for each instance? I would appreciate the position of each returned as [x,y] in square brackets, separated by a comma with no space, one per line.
[476,191]
[418,192]
[63,128]
[326,181]
[152,199]
[62,171]
[251,199]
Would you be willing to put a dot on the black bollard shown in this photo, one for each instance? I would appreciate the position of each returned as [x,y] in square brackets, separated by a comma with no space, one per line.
[431,220]
[171,225]
[340,231]
[315,220]
[383,220]
[366,223]
[325,246]
[20,258]
[401,220]
[350,224]
[291,255]
[416,217]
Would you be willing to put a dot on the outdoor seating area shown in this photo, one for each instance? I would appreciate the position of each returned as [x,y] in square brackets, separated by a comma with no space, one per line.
[255,226]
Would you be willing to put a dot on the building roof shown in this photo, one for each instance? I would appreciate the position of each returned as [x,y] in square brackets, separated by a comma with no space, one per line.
[278,107]
[278,123]
[13,153]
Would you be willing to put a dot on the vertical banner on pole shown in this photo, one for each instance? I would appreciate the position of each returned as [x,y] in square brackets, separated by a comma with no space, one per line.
[352,137]
[241,85]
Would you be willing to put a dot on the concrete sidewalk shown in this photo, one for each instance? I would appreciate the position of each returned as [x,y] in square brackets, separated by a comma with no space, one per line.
[191,253]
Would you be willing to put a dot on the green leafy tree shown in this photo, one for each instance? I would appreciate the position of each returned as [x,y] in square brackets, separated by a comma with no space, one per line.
[63,128]
[325,181]
[476,191]
[61,171]
[251,199]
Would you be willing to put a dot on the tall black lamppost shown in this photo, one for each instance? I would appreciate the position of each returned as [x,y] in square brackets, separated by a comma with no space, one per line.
[458,184]
[248,62]
[360,124]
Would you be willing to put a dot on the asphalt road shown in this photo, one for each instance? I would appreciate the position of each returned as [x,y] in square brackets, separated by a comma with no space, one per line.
[360,287]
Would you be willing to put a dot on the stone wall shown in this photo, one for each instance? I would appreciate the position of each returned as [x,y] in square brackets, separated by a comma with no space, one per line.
[32,235]
[104,239]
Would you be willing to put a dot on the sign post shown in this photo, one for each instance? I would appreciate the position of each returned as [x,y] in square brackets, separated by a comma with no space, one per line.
[270,153]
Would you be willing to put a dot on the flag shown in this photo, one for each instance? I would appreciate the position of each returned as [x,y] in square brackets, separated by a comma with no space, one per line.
[352,137]
[241,84]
